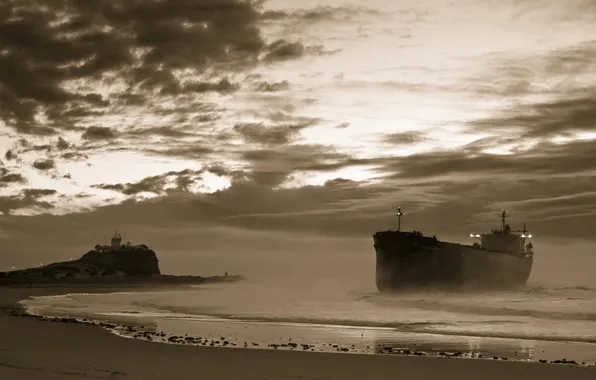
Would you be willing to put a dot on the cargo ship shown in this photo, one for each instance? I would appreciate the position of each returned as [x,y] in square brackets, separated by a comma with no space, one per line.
[500,259]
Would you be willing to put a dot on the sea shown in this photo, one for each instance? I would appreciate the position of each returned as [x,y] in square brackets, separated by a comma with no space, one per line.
[530,324]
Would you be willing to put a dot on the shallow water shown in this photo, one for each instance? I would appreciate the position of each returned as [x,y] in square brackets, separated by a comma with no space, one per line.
[531,324]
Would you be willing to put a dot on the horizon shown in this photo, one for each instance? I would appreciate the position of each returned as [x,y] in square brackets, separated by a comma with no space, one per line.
[210,127]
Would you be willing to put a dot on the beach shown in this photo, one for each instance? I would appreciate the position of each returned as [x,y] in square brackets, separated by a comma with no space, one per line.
[39,349]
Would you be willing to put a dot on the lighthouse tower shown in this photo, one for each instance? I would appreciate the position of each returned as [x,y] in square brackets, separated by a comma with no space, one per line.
[116,240]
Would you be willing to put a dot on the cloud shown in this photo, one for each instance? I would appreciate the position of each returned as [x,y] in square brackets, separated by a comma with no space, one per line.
[272,166]
[99,133]
[553,96]
[37,193]
[271,135]
[9,155]
[222,86]
[281,50]
[263,86]
[545,159]
[156,184]
[404,138]
[62,144]
[42,164]
[551,118]
[6,177]
[320,13]
[27,198]
[54,57]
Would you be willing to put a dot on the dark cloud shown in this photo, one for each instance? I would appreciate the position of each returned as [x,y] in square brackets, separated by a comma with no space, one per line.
[62,144]
[6,177]
[28,198]
[260,133]
[555,76]
[321,13]
[54,55]
[348,208]
[545,159]
[46,164]
[271,167]
[404,138]
[194,149]
[555,207]
[37,193]
[222,86]
[263,86]
[37,148]
[73,156]
[98,133]
[546,119]
[281,50]
[165,131]
[156,184]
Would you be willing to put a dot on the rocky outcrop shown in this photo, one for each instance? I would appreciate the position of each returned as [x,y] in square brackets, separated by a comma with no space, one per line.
[137,261]
[129,261]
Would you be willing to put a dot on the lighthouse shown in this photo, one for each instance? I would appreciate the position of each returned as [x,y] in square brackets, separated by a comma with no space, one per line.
[116,240]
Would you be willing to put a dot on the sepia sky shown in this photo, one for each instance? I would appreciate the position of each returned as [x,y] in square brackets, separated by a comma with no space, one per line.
[187,120]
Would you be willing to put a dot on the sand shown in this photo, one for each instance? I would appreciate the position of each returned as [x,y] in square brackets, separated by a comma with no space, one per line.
[33,349]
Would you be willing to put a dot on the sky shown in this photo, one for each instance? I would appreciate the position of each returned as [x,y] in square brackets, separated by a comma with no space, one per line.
[202,124]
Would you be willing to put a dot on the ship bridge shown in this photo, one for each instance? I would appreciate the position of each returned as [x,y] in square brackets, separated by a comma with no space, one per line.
[504,239]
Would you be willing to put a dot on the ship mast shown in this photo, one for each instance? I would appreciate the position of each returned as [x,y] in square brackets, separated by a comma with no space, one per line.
[503,216]
[399,214]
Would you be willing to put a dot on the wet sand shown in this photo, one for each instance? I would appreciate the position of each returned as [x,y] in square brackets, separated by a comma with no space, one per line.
[39,349]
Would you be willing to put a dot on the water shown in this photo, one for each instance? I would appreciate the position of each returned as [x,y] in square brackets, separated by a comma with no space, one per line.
[530,324]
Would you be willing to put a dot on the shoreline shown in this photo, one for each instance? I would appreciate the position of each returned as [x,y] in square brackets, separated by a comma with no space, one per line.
[213,331]
[416,364]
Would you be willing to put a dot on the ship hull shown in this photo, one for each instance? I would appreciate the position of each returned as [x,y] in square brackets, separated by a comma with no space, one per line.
[405,261]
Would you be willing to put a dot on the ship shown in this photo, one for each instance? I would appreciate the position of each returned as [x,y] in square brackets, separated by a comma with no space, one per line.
[499,259]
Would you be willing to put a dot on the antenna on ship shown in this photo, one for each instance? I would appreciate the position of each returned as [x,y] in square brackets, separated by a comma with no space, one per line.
[399,214]
[503,216]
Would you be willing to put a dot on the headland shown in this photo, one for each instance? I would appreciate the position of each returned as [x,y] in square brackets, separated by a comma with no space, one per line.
[115,264]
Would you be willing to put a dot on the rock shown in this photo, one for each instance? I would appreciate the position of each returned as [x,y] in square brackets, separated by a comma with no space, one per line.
[132,261]
[124,261]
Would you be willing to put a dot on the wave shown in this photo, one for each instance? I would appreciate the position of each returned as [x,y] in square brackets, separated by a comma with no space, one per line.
[429,327]
[494,310]
[579,287]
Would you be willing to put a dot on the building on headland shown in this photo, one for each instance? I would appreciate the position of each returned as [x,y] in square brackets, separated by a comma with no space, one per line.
[116,240]
[116,245]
